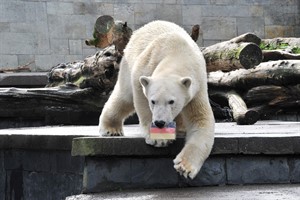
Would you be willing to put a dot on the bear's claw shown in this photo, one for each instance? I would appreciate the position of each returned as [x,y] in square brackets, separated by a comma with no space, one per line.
[181,169]
[112,132]
[185,168]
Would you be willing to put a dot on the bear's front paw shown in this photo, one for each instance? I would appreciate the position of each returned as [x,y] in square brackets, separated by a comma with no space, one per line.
[158,143]
[187,163]
[111,132]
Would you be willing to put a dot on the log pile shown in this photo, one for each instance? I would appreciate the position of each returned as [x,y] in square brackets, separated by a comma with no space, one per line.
[248,77]
[266,89]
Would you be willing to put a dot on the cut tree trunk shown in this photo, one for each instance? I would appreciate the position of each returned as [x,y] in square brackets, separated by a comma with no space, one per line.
[241,114]
[283,72]
[108,32]
[103,32]
[239,52]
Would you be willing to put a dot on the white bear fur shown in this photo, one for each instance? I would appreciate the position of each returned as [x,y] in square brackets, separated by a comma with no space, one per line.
[161,63]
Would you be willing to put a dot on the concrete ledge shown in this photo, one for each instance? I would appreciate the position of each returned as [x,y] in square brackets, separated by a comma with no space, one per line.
[44,138]
[265,137]
[23,79]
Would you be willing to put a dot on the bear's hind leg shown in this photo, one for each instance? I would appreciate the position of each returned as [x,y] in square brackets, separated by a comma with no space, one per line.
[117,108]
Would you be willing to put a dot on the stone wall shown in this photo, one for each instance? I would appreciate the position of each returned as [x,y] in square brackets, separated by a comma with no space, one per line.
[41,174]
[50,32]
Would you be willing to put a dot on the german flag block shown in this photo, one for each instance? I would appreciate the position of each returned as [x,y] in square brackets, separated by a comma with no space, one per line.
[166,133]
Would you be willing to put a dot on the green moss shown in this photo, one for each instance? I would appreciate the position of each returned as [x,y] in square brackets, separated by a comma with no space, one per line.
[79,81]
[296,50]
[278,46]
[273,46]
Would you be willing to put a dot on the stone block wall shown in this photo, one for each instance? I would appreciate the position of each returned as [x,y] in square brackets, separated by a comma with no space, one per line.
[50,32]
[109,174]
[34,175]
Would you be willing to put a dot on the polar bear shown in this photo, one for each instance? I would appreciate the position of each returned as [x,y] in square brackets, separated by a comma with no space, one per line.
[163,78]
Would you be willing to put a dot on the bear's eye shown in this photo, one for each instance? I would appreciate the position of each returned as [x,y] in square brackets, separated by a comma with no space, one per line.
[153,102]
[171,102]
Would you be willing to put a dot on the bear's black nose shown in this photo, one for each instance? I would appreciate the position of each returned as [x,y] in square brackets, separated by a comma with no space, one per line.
[160,124]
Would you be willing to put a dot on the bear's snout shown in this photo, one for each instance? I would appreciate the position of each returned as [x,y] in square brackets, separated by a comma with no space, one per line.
[160,123]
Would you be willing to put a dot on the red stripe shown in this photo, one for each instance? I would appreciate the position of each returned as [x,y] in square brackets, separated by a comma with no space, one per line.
[162,130]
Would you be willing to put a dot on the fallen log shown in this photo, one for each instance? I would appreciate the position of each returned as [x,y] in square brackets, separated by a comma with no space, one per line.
[280,48]
[239,52]
[241,114]
[57,105]
[282,97]
[283,72]
[98,71]
[279,55]
[291,43]
[23,68]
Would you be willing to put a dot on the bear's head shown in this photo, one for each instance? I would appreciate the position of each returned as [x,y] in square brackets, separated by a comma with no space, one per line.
[166,97]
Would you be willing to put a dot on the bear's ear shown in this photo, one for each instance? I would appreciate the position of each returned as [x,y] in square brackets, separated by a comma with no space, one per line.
[144,80]
[186,81]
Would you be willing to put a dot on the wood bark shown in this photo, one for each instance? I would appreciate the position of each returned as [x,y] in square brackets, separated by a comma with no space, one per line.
[195,32]
[279,55]
[283,72]
[247,37]
[239,52]
[274,96]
